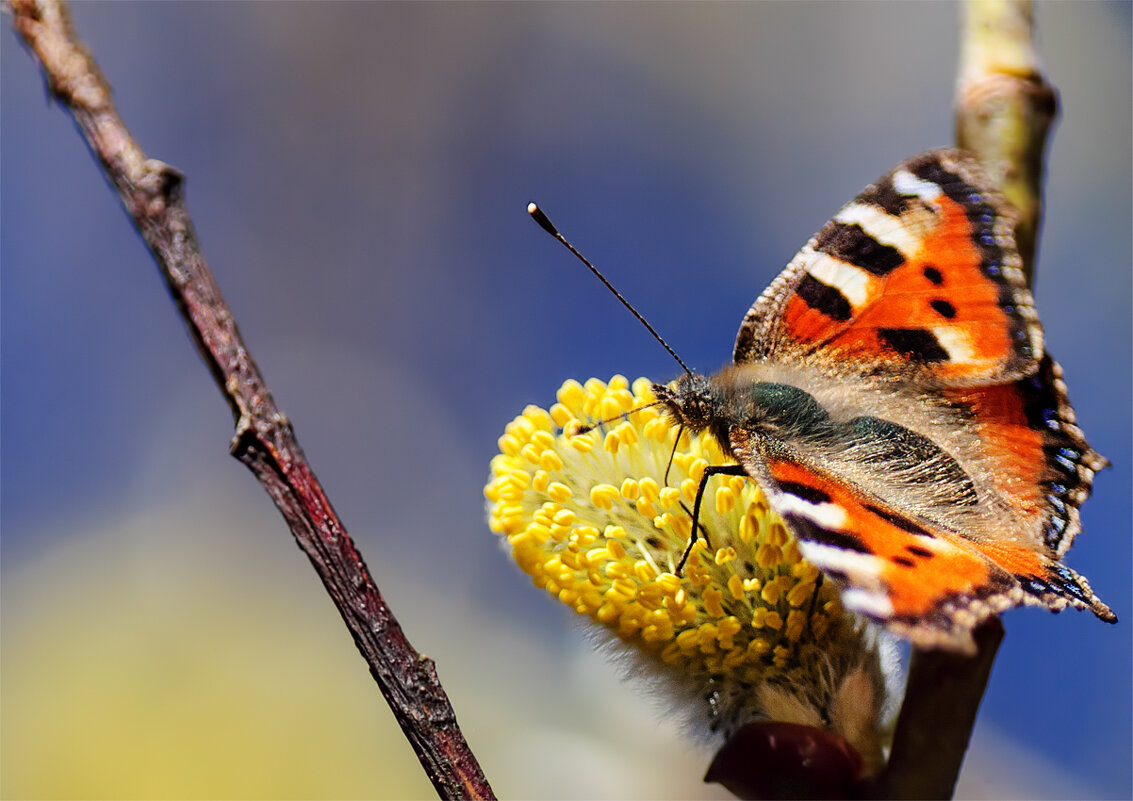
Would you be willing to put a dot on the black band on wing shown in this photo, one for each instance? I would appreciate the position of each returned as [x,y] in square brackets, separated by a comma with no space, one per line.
[902,523]
[851,244]
[916,343]
[1070,461]
[806,529]
[824,298]
[807,493]
[885,196]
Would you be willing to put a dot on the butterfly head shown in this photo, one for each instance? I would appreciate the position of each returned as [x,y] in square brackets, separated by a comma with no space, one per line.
[689,401]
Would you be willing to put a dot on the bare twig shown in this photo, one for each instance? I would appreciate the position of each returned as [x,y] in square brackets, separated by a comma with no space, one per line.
[152,194]
[942,698]
[1005,108]
[1004,111]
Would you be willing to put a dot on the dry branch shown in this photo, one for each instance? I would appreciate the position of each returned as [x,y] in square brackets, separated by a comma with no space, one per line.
[1005,108]
[1004,111]
[152,193]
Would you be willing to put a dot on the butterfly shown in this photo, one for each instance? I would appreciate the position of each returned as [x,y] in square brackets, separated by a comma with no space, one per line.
[892,396]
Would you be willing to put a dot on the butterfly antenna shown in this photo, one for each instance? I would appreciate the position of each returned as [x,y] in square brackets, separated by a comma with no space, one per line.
[586,429]
[549,227]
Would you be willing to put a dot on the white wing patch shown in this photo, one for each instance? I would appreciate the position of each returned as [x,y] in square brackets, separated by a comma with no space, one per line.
[871,604]
[825,515]
[866,593]
[853,282]
[885,228]
[954,341]
[908,184]
[858,566]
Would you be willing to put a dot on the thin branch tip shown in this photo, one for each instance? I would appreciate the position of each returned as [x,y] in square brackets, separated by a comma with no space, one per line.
[152,193]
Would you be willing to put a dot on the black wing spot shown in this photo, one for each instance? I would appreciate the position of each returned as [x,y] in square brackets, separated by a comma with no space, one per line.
[824,298]
[917,550]
[943,308]
[934,275]
[917,343]
[903,560]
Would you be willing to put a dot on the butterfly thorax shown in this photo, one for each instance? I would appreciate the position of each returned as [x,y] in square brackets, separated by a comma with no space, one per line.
[880,436]
[766,408]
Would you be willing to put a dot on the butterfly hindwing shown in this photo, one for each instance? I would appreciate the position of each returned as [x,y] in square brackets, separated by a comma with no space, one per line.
[1035,452]
[924,582]
[917,275]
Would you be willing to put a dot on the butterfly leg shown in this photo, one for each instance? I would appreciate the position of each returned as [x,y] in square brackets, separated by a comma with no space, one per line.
[814,595]
[701,526]
[672,454]
[712,470]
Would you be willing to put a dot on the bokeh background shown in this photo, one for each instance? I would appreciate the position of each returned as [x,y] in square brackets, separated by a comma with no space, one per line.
[358,176]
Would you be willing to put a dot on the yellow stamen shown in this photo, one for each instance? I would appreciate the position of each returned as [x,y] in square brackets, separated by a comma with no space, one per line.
[594,527]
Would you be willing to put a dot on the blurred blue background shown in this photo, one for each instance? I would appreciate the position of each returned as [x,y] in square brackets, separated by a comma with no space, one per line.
[358,176]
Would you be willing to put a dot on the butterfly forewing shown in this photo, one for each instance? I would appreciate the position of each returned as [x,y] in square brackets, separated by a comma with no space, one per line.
[918,274]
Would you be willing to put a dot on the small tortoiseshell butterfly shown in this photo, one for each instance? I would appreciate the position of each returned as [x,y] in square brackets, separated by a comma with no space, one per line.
[892,397]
